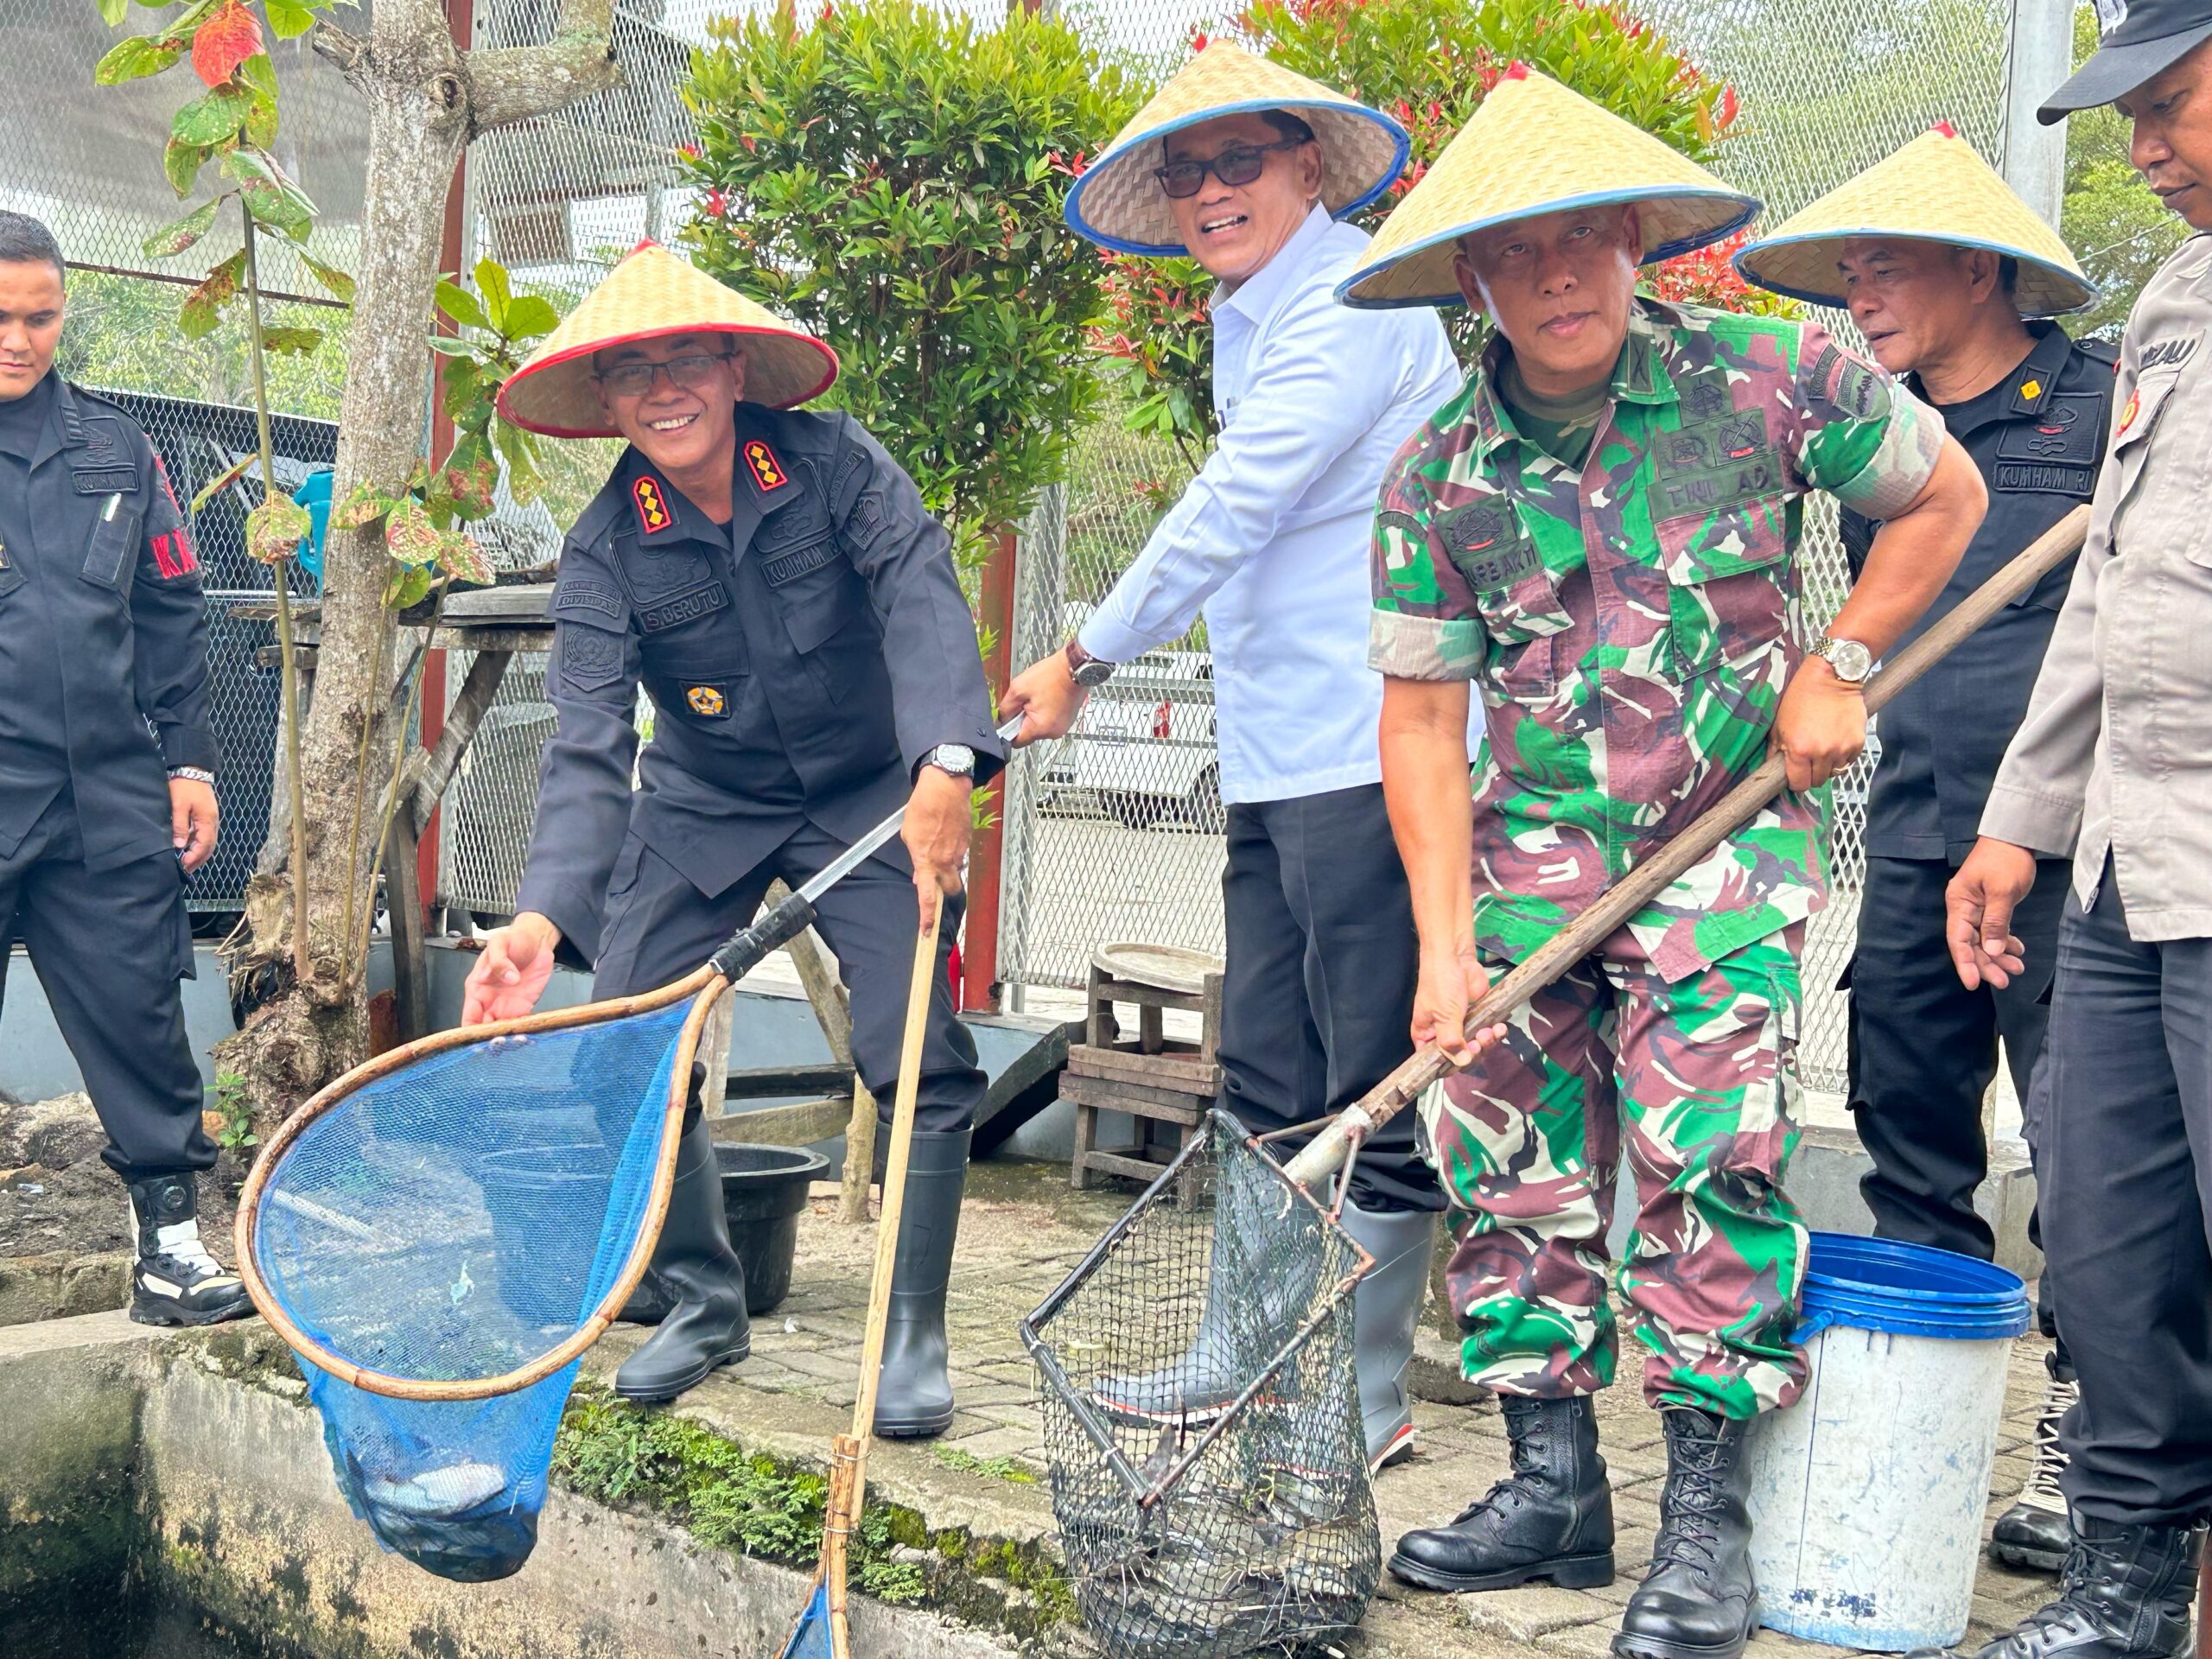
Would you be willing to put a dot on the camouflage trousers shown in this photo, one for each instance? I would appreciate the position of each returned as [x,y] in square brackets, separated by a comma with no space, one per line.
[1699,1073]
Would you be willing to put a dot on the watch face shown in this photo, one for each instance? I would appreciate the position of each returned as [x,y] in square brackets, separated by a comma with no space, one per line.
[956,758]
[1850,659]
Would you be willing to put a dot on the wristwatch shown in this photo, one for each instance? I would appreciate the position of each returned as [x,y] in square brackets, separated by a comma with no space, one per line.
[1852,661]
[193,775]
[1088,670]
[956,758]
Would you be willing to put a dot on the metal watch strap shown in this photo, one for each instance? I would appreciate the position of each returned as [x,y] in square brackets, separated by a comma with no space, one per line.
[193,774]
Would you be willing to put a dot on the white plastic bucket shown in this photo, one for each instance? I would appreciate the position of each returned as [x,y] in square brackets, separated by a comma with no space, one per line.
[1867,1496]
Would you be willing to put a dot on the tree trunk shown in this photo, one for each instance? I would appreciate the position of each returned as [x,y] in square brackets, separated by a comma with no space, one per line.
[427,98]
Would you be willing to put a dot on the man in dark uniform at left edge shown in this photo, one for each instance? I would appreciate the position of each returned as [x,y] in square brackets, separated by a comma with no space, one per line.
[107,760]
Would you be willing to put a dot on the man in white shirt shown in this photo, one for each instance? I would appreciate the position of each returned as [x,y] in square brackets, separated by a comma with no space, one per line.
[1245,167]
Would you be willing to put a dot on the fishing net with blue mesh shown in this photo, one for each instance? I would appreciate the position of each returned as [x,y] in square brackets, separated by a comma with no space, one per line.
[442,1240]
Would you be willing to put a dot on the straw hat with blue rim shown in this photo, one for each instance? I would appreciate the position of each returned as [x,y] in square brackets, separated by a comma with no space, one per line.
[653,292]
[1536,148]
[1117,202]
[1935,190]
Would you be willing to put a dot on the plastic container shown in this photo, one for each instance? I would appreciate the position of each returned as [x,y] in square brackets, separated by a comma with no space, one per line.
[764,1194]
[1867,1496]
[531,1195]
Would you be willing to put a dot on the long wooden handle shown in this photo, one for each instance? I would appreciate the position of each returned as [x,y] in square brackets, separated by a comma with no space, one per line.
[1327,1152]
[894,1188]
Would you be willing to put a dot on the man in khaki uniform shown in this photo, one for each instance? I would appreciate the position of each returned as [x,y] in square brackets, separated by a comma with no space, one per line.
[2114,764]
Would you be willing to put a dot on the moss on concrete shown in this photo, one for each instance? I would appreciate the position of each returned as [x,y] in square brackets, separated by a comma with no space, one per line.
[751,1502]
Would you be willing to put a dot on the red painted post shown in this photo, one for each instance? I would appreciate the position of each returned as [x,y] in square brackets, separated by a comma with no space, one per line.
[979,945]
[460,16]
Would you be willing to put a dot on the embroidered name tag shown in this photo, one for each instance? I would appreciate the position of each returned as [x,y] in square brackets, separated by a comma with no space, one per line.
[684,608]
[2020,475]
[791,566]
[104,481]
[586,596]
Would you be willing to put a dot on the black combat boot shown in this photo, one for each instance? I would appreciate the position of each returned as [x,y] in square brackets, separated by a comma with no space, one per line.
[1551,1518]
[2125,1594]
[706,1328]
[175,1280]
[1698,1601]
[2034,1533]
[913,1400]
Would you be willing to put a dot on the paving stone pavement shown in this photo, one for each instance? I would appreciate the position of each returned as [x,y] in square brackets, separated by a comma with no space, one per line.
[1023,1229]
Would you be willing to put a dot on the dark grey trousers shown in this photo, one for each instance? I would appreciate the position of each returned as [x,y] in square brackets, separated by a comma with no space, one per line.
[1317,996]
[659,927]
[110,946]
[2127,1173]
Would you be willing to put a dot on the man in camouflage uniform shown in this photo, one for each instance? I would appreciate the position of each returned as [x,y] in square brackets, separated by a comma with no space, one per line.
[1600,533]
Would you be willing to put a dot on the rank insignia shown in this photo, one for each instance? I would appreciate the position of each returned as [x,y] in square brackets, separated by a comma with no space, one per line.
[652,506]
[706,701]
[2128,415]
[2030,390]
[768,472]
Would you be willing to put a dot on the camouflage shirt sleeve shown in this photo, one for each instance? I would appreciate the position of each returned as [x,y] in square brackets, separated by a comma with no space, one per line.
[1425,625]
[1856,433]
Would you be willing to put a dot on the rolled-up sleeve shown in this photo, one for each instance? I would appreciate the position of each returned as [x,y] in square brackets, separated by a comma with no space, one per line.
[1856,433]
[1322,380]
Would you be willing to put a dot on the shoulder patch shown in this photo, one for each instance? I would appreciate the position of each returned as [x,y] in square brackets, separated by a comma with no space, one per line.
[651,503]
[768,473]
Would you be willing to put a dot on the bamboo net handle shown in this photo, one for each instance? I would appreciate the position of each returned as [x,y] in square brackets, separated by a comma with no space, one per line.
[894,1192]
[1327,1150]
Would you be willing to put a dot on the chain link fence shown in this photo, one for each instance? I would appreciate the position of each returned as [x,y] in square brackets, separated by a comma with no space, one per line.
[1827,87]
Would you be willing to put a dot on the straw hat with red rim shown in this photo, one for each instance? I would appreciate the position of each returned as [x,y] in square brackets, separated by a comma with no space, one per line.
[1534,148]
[1117,202]
[1937,188]
[651,293]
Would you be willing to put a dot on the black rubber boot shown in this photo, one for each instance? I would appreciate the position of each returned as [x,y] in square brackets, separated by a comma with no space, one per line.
[708,1327]
[175,1280]
[2035,1532]
[1386,1307]
[653,1301]
[2125,1594]
[1698,1601]
[1551,1518]
[914,1399]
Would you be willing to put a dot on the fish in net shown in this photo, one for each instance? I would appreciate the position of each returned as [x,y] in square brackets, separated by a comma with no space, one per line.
[1253,1527]
[442,1232]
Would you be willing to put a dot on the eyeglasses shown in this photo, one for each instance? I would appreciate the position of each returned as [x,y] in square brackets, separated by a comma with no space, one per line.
[688,372]
[1238,164]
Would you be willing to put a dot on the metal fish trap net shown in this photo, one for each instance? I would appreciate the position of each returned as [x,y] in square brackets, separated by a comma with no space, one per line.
[1202,1428]
[440,1242]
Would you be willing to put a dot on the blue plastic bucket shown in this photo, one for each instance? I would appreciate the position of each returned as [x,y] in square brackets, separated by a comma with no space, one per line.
[1867,1496]
[1876,1284]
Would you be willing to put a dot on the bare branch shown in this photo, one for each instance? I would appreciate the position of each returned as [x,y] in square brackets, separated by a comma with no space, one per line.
[511,84]
[344,49]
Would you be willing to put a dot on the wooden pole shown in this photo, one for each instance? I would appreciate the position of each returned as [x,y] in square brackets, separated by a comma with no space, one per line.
[979,953]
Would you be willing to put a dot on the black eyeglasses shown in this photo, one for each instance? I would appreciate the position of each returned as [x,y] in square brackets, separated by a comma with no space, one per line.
[1238,164]
[636,380]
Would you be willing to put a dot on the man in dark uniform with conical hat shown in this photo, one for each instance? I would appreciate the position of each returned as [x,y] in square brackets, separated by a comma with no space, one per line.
[773,581]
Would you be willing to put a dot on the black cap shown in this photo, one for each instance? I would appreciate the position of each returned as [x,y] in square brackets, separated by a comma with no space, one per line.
[2141,40]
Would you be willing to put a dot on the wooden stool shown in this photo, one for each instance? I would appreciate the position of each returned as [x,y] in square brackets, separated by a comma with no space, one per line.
[1166,1086]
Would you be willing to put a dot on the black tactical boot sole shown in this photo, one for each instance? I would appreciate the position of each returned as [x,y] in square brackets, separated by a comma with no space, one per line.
[164,1312]
[665,1389]
[1590,1572]
[924,1428]
[1628,1646]
[2035,1560]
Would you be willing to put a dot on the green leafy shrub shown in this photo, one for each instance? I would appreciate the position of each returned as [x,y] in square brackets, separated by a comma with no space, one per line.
[885,175]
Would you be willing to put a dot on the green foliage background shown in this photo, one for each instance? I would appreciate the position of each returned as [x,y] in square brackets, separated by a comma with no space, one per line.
[886,176]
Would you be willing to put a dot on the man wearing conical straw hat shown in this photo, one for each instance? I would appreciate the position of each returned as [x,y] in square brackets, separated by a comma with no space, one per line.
[1601,533]
[1939,263]
[1245,167]
[773,581]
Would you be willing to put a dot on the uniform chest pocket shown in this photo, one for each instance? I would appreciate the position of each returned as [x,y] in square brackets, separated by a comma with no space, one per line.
[702,691]
[1720,507]
[110,550]
[1516,592]
[2133,430]
[818,595]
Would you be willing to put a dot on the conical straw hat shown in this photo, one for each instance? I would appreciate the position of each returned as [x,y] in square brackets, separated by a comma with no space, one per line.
[653,292]
[1935,190]
[1117,202]
[1534,148]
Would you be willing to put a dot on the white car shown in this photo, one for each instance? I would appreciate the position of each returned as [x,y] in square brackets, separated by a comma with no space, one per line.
[1144,744]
